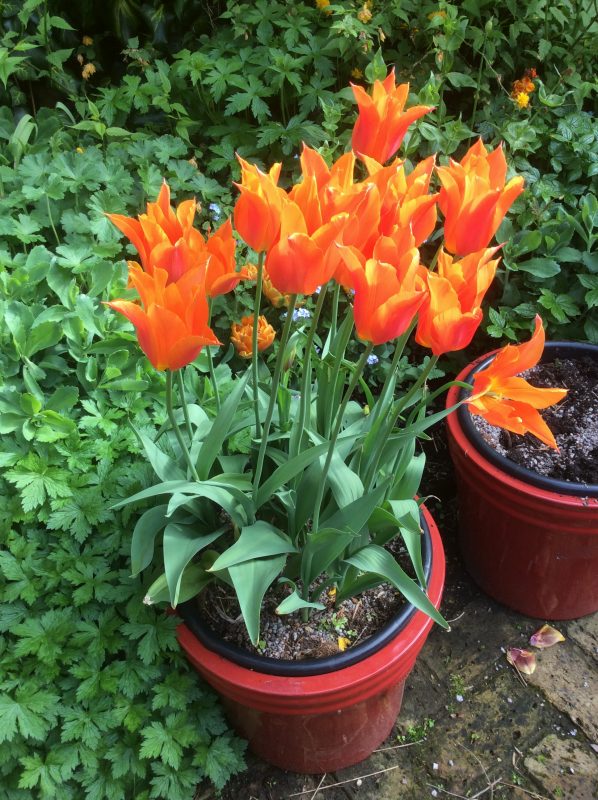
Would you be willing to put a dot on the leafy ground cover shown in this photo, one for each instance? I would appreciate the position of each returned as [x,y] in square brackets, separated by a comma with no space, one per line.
[99,103]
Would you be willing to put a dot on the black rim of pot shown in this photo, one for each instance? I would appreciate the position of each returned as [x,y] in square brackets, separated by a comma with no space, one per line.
[552,351]
[308,666]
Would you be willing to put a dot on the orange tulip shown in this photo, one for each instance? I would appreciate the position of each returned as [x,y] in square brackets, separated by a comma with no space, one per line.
[474,198]
[510,402]
[258,209]
[221,275]
[388,289]
[172,320]
[382,123]
[161,227]
[404,198]
[242,335]
[167,240]
[452,314]
[302,260]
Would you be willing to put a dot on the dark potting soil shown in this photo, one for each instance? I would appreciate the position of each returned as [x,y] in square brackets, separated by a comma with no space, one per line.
[573,421]
[288,636]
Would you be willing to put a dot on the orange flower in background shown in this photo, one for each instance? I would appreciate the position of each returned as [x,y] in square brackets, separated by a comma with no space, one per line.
[388,288]
[172,320]
[452,314]
[302,260]
[474,198]
[382,122]
[258,209]
[509,401]
[242,335]
[270,291]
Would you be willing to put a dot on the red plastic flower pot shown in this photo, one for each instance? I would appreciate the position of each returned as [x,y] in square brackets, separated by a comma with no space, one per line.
[529,541]
[321,720]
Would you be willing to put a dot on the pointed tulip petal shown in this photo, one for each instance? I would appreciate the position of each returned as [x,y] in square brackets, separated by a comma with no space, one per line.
[546,636]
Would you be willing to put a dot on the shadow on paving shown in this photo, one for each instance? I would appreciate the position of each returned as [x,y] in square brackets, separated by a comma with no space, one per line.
[470,726]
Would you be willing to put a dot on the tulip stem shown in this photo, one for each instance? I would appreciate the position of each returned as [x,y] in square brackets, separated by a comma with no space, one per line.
[334,316]
[337,427]
[211,362]
[284,338]
[254,343]
[175,427]
[304,400]
[393,417]
[181,383]
[390,375]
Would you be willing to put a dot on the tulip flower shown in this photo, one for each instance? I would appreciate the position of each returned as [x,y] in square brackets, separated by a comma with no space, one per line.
[509,401]
[404,198]
[382,122]
[388,289]
[221,275]
[242,335]
[167,240]
[474,198]
[172,320]
[302,260]
[452,314]
[258,209]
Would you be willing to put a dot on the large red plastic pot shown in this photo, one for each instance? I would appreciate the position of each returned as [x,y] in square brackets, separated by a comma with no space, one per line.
[332,717]
[530,542]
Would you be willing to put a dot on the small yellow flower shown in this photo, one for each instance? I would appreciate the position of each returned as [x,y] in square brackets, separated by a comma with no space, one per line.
[356,73]
[322,4]
[364,15]
[343,643]
[242,334]
[440,14]
[87,41]
[331,592]
[522,100]
[79,150]
[88,71]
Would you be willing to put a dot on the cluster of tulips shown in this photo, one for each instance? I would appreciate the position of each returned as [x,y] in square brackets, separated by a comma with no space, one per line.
[360,233]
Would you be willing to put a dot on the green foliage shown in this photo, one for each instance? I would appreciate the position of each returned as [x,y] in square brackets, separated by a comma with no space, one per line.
[95,699]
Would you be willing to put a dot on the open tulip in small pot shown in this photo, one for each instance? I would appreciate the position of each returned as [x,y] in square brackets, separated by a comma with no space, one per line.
[292,484]
[530,539]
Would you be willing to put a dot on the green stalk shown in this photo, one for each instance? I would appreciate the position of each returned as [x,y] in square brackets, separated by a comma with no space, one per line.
[273,394]
[181,383]
[477,94]
[254,343]
[295,442]
[339,421]
[175,427]
[393,420]
[211,362]
[56,236]
[334,317]
[399,349]
[334,376]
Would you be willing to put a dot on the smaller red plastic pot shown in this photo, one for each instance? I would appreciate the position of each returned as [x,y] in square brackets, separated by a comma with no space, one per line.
[529,542]
[321,722]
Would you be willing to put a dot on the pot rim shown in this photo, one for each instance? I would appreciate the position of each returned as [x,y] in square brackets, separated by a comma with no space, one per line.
[564,349]
[309,666]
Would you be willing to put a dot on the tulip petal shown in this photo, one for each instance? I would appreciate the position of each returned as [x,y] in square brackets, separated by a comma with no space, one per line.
[546,636]
[524,661]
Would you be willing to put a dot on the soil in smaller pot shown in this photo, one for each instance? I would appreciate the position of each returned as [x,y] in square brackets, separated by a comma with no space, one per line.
[573,421]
